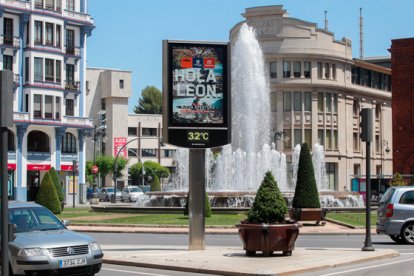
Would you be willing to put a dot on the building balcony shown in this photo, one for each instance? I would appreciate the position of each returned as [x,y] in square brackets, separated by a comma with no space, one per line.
[67,121]
[9,41]
[82,122]
[43,5]
[73,51]
[78,16]
[72,86]
[17,3]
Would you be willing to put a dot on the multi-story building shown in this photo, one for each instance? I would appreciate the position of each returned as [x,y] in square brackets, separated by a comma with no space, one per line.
[44,43]
[402,54]
[317,92]
[108,92]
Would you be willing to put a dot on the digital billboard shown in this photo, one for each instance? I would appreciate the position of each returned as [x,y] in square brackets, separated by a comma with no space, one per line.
[196,92]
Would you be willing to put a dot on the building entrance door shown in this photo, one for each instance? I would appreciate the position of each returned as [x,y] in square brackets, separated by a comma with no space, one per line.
[33,183]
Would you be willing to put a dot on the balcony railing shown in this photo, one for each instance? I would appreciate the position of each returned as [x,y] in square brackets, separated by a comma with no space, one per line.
[16,79]
[9,40]
[73,50]
[21,116]
[72,85]
[78,16]
[19,3]
[41,5]
[78,121]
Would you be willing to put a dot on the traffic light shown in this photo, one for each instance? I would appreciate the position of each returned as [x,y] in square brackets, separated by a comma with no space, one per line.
[75,166]
[366,124]
[102,124]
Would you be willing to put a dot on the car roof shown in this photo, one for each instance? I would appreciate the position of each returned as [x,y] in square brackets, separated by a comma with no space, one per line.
[21,204]
[403,187]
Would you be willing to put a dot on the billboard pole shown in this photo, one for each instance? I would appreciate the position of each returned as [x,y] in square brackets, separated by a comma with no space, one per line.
[197,191]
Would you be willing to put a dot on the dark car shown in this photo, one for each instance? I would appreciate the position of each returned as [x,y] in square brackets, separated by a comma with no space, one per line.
[396,214]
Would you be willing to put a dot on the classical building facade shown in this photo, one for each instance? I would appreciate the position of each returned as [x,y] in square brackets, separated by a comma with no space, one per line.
[402,55]
[108,92]
[317,92]
[44,43]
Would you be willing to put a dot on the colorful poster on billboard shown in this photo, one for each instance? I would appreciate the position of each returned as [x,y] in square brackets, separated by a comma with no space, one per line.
[198,84]
[119,142]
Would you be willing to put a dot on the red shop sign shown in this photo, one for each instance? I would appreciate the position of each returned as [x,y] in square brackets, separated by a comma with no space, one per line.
[38,167]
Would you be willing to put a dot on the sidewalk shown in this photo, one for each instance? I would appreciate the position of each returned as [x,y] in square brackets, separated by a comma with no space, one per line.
[232,260]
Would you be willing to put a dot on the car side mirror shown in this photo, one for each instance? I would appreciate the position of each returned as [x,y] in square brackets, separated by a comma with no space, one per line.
[12,232]
[66,222]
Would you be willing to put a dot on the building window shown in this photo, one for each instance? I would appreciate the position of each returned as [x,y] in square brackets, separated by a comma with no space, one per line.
[37,107]
[38,33]
[70,76]
[286,69]
[132,131]
[8,36]
[70,42]
[50,5]
[287,101]
[10,141]
[38,141]
[320,70]
[48,107]
[334,71]
[69,143]
[273,70]
[297,101]
[149,131]
[355,139]
[329,141]
[377,111]
[307,69]
[297,136]
[377,144]
[49,34]
[7,62]
[287,142]
[335,103]
[149,153]
[308,136]
[328,102]
[121,84]
[297,69]
[320,102]
[331,173]
[168,153]
[39,4]
[132,152]
[357,170]
[49,70]
[26,69]
[335,139]
[355,108]
[57,108]
[307,100]
[58,36]
[58,71]
[70,5]
[321,137]
[70,107]
[38,69]
[327,71]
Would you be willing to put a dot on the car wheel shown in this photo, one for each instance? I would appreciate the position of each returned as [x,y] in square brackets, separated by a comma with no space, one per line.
[122,199]
[407,233]
[129,199]
[107,198]
[396,238]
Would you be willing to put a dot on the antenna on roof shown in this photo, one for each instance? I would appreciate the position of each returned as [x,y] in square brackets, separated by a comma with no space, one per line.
[326,21]
[361,35]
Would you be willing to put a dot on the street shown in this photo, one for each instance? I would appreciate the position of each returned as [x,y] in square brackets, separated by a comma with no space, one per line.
[402,263]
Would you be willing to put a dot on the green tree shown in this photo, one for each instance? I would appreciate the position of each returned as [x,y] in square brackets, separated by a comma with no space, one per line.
[150,101]
[47,195]
[56,181]
[89,175]
[151,169]
[105,165]
[269,205]
[306,192]
[397,180]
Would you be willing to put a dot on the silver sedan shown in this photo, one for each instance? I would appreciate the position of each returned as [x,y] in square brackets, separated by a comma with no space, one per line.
[43,244]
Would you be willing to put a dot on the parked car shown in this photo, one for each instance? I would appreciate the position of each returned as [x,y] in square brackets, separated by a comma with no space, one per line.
[106,193]
[90,191]
[43,244]
[131,193]
[396,214]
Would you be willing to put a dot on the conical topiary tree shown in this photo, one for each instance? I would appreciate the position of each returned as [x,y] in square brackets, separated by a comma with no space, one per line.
[306,192]
[207,206]
[56,181]
[269,205]
[155,185]
[397,180]
[47,195]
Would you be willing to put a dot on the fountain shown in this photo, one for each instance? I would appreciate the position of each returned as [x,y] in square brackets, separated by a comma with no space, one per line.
[234,175]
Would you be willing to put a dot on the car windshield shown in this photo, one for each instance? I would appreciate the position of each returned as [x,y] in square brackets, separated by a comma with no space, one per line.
[135,190]
[29,219]
[111,190]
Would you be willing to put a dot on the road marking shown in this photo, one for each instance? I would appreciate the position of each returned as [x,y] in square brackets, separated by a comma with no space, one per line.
[367,267]
[132,272]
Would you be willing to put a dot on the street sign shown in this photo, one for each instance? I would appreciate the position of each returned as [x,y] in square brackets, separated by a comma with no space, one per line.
[196,94]
[95,169]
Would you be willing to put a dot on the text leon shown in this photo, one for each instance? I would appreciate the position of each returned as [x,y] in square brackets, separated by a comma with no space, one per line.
[193,83]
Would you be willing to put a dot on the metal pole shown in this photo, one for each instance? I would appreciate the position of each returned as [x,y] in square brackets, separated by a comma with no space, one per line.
[143,173]
[4,204]
[368,242]
[73,187]
[197,191]
[94,157]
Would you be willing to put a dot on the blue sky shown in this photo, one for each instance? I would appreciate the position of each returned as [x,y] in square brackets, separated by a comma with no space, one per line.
[129,33]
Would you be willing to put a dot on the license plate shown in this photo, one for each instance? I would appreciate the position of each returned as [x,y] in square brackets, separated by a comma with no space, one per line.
[72,262]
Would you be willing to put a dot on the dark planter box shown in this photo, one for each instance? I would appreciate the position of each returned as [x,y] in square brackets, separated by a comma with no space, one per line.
[308,214]
[268,238]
